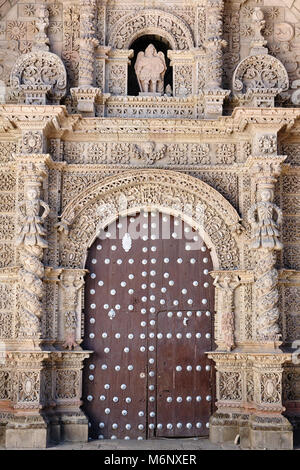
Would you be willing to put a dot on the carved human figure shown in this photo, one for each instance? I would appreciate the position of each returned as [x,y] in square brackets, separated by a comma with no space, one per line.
[150,68]
[227,286]
[71,287]
[31,230]
[265,233]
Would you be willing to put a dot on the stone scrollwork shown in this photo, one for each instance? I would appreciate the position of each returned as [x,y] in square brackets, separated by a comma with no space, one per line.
[39,74]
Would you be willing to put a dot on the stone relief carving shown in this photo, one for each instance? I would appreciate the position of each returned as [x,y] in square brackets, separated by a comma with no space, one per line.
[72,282]
[150,152]
[146,191]
[226,283]
[130,26]
[40,73]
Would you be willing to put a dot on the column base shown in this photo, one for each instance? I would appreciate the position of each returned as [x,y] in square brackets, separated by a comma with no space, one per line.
[30,432]
[74,427]
[270,433]
[265,432]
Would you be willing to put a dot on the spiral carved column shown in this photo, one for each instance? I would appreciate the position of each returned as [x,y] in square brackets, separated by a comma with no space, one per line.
[31,244]
[214,44]
[86,94]
[266,293]
[88,42]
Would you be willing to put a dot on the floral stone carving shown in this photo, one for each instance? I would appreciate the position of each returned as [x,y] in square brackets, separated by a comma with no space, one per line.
[260,75]
[39,75]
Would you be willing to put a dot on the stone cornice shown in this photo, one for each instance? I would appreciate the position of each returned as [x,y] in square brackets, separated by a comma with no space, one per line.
[54,121]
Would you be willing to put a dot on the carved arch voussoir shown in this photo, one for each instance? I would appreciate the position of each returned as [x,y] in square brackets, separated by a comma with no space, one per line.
[151,21]
[181,195]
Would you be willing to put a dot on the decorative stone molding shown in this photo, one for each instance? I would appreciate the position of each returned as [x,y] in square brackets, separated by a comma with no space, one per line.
[213,216]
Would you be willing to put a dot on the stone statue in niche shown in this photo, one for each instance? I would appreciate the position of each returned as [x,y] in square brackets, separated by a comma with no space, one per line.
[265,233]
[150,69]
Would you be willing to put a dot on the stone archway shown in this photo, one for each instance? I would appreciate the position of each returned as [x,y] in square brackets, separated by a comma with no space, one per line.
[151,21]
[181,195]
[169,192]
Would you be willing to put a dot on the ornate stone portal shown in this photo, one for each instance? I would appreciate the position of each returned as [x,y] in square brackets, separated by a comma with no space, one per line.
[78,152]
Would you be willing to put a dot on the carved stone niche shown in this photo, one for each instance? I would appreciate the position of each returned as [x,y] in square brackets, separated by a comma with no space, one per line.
[39,76]
[258,79]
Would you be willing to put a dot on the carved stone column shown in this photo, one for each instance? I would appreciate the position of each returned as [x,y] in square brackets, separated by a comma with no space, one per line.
[86,94]
[225,282]
[31,242]
[265,218]
[214,95]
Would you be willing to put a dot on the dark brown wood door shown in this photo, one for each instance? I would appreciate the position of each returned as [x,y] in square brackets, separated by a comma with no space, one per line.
[148,319]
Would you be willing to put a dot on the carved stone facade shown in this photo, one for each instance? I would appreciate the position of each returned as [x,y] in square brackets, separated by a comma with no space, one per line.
[218,146]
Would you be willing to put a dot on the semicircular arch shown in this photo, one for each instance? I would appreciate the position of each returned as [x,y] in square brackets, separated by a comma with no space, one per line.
[168,191]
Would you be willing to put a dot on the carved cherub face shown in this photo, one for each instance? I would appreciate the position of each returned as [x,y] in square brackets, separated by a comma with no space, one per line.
[148,147]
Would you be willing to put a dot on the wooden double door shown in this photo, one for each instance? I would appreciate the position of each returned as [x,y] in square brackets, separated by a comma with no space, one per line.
[148,319]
